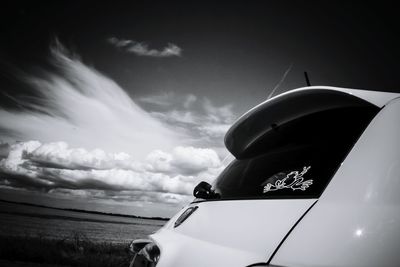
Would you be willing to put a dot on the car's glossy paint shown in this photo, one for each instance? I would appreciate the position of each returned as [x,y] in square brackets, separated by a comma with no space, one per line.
[229,233]
[376,98]
[356,221]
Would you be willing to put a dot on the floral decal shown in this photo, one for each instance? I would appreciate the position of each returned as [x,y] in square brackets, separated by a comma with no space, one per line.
[293,180]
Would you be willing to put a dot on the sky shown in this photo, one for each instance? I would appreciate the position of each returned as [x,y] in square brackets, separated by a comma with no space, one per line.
[122,107]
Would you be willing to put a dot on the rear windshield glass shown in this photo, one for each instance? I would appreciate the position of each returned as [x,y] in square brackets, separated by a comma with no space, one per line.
[301,165]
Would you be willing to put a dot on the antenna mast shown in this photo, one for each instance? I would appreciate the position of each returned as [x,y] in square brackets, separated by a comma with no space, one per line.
[307,79]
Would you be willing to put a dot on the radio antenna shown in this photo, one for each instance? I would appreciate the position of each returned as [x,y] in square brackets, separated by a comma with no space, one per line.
[307,79]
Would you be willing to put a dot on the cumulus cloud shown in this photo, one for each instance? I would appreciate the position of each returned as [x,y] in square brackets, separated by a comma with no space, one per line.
[185,160]
[81,106]
[59,154]
[54,167]
[142,49]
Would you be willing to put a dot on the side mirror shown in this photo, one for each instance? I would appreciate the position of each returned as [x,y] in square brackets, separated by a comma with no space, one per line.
[203,190]
[136,245]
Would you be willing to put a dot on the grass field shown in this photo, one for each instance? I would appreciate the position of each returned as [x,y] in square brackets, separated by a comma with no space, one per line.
[76,250]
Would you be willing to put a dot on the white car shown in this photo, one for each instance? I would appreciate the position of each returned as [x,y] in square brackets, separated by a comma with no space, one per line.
[315,182]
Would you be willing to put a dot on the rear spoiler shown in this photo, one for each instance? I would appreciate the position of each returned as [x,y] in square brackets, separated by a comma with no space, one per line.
[264,120]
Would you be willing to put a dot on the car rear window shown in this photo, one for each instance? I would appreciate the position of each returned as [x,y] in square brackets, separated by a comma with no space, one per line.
[305,155]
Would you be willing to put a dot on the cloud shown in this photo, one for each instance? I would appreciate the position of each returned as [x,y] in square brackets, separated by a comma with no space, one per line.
[161,100]
[59,155]
[214,130]
[111,147]
[190,99]
[205,122]
[184,160]
[168,99]
[124,196]
[142,49]
[81,106]
[54,167]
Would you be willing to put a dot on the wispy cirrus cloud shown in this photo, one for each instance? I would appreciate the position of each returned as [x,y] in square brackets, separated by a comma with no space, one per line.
[142,49]
[84,108]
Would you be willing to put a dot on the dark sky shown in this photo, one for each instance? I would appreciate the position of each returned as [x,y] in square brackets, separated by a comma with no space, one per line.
[230,49]
[162,82]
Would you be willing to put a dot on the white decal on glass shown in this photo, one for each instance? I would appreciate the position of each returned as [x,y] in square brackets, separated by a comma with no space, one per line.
[293,180]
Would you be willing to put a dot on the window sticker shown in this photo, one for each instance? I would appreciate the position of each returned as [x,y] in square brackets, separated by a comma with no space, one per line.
[293,180]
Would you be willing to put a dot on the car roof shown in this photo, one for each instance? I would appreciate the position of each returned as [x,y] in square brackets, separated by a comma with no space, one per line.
[377,98]
[255,122]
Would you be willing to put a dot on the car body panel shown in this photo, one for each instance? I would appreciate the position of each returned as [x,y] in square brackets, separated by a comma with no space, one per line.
[356,221]
[229,233]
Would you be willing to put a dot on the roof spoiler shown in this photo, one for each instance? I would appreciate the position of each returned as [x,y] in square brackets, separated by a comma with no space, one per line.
[265,119]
